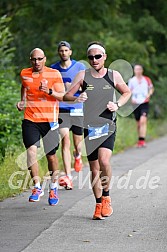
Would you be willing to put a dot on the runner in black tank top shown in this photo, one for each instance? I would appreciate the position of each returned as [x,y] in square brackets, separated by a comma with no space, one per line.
[99,92]
[99,122]
[98,85]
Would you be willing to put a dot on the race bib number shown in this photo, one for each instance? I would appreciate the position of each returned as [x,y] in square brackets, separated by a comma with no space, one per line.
[76,112]
[97,132]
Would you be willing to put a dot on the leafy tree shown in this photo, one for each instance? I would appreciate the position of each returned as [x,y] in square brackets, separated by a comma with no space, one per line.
[131,30]
[9,89]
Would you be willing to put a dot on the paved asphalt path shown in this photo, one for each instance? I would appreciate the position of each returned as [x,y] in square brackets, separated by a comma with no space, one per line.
[139,221]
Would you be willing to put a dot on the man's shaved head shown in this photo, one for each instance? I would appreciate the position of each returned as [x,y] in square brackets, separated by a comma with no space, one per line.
[37,50]
[38,59]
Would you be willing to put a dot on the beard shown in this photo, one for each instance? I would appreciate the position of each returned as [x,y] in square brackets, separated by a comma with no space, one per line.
[37,68]
[65,58]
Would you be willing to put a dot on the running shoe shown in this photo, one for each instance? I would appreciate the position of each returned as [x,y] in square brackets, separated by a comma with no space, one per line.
[36,194]
[77,163]
[141,144]
[97,214]
[106,206]
[53,197]
[66,182]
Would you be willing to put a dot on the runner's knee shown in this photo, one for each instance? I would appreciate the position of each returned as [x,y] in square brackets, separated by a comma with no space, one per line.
[104,162]
[32,151]
[51,158]
[143,119]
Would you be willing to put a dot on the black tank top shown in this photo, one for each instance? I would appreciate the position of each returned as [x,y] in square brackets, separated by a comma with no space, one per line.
[99,91]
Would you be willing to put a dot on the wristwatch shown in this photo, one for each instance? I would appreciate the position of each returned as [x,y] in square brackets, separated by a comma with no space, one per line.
[50,91]
[118,104]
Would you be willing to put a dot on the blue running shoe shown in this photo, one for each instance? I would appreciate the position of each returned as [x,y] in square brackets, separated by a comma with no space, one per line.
[36,194]
[53,197]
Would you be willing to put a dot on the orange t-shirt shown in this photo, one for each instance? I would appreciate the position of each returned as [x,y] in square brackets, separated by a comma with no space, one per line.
[41,107]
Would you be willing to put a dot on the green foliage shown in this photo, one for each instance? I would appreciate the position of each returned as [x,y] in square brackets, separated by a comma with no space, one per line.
[9,89]
[131,29]
[160,97]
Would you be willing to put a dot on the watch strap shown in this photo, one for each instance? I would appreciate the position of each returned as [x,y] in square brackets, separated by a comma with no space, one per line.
[50,91]
[118,105]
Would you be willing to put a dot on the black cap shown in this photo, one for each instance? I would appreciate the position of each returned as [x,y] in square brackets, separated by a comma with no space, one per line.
[64,43]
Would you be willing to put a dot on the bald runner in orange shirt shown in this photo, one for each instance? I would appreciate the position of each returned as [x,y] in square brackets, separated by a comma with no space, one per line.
[48,108]
[42,89]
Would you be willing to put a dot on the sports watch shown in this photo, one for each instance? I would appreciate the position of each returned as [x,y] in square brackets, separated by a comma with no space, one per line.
[118,104]
[50,91]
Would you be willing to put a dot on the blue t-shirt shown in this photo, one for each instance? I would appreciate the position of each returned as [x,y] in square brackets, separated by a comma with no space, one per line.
[68,75]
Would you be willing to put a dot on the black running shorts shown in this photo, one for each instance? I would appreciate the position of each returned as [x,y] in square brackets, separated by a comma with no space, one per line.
[73,123]
[92,146]
[32,132]
[141,110]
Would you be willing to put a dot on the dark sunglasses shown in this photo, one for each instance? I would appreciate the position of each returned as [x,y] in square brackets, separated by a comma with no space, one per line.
[35,59]
[97,56]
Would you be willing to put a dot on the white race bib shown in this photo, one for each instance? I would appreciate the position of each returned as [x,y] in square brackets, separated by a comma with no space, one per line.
[76,112]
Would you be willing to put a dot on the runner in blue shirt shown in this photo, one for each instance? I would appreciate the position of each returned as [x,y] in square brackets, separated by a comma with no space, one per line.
[71,116]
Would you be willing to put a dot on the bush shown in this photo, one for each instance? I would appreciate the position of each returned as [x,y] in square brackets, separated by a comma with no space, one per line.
[9,117]
[159,99]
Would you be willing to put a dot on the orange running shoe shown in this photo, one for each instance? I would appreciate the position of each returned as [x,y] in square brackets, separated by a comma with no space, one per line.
[97,214]
[77,163]
[106,206]
[66,182]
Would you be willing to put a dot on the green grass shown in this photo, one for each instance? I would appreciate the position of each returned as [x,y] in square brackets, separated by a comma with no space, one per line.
[126,137]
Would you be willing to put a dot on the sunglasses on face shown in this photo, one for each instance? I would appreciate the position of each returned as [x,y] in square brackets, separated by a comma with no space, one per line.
[35,59]
[97,56]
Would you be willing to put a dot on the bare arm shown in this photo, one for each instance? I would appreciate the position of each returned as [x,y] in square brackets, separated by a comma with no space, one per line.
[58,95]
[20,104]
[23,93]
[151,91]
[121,86]
[58,90]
